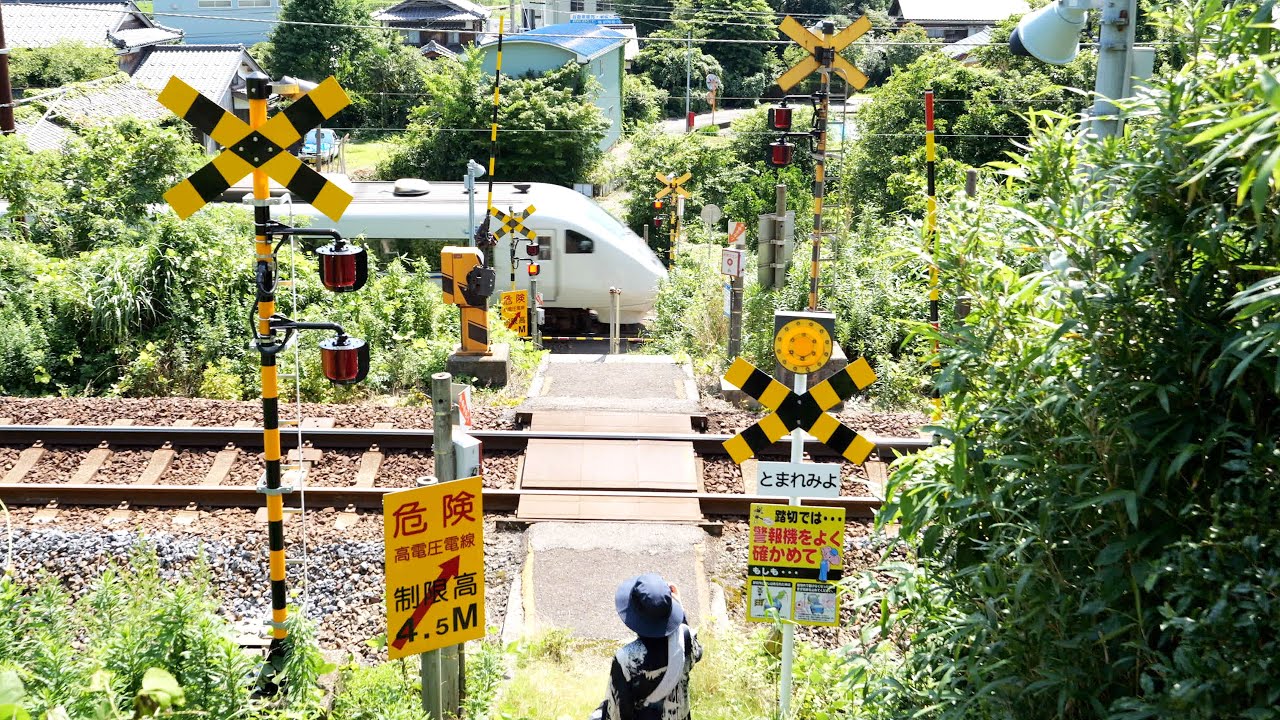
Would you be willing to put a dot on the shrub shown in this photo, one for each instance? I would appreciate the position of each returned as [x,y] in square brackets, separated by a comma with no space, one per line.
[1097,538]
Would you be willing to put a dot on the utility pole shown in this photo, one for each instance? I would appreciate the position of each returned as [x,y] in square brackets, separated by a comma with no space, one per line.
[688,79]
[6,91]
[1115,63]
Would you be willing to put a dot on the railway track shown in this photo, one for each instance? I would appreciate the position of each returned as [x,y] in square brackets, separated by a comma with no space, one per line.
[151,487]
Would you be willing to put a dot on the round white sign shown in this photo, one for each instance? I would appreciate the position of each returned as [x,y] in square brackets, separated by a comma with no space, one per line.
[713,81]
[710,214]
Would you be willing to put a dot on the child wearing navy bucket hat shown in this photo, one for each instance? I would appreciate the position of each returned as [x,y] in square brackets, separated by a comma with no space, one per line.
[649,679]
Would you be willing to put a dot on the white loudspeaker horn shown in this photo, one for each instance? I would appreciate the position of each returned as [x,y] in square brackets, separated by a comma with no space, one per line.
[1050,34]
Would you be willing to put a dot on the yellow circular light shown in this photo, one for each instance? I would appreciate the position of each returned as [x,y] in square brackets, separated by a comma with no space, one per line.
[802,346]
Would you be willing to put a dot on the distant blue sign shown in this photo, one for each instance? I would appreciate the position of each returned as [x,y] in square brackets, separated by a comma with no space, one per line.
[595,19]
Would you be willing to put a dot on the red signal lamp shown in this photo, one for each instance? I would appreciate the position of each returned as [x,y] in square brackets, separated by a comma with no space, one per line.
[344,360]
[343,267]
[534,269]
[532,249]
[780,118]
[657,222]
[657,204]
[780,153]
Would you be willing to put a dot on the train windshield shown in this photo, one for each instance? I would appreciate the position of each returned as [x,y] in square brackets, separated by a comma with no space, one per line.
[610,224]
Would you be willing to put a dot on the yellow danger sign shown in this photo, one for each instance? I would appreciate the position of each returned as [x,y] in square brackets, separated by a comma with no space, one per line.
[797,557]
[515,311]
[434,539]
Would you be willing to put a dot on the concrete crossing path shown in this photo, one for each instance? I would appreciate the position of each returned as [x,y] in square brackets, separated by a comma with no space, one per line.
[572,569]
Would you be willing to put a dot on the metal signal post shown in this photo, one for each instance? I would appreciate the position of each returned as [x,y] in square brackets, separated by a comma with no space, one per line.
[672,185]
[259,149]
[823,57]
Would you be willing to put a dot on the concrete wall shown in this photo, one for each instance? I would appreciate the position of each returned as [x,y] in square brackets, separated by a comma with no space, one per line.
[206,31]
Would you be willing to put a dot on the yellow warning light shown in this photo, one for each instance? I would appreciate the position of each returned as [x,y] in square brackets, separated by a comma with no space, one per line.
[534,269]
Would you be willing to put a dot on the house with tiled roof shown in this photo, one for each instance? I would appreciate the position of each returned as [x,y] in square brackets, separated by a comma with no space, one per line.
[950,21]
[215,71]
[962,50]
[117,24]
[599,51]
[433,50]
[449,23]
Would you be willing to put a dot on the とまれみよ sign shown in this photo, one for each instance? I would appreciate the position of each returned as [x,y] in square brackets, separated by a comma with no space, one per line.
[785,479]
[796,558]
[434,539]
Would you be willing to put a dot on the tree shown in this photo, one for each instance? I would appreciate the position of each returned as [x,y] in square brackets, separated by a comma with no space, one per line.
[743,22]
[1097,535]
[642,101]
[978,114]
[552,130]
[667,65]
[316,51]
[60,64]
[385,82]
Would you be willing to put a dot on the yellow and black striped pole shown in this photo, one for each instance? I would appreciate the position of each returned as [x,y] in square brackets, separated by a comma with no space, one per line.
[930,242]
[493,123]
[826,56]
[258,88]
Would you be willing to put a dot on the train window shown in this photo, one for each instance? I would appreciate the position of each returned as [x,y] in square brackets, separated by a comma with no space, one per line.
[575,243]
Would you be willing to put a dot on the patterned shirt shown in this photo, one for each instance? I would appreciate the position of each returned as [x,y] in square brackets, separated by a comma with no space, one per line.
[637,670]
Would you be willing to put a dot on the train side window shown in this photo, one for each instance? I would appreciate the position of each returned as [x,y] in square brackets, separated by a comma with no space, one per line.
[544,246]
[575,243]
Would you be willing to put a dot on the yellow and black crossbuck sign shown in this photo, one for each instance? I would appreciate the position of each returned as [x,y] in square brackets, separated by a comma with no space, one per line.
[513,223]
[264,149]
[807,412]
[672,184]
[820,46]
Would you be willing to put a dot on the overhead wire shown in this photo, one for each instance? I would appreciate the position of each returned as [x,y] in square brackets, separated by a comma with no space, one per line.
[429,27]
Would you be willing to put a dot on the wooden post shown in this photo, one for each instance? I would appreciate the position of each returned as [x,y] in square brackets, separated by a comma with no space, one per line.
[6,91]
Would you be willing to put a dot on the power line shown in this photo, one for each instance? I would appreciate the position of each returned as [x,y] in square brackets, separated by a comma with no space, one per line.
[429,28]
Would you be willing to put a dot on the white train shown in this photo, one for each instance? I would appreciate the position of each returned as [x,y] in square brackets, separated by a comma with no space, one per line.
[584,250]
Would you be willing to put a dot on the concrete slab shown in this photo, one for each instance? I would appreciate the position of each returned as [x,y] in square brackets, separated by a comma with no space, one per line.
[589,506]
[609,465]
[492,369]
[613,383]
[610,422]
[574,569]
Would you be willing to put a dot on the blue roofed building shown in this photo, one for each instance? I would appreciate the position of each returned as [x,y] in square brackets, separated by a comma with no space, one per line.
[599,52]
[220,22]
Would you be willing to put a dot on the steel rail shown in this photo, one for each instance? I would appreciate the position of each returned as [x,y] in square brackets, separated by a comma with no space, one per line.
[386,438]
[498,501]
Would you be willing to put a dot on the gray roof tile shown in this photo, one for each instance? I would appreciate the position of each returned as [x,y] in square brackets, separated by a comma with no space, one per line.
[41,23]
[210,69]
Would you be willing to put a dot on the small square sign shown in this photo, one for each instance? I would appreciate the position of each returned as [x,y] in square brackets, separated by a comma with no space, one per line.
[731,261]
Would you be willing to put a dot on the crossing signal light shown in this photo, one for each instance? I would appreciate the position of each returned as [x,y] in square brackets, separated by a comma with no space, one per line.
[657,204]
[780,119]
[657,222]
[532,249]
[534,269]
[780,153]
